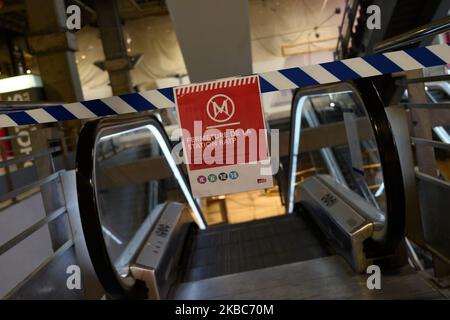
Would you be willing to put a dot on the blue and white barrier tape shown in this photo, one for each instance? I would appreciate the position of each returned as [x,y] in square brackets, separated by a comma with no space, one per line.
[291,78]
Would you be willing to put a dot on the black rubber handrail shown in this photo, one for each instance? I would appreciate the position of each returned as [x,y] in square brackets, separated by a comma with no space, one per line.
[414,36]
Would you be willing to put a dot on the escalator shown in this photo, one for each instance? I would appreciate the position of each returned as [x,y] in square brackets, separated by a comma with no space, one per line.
[136,219]
[147,236]
[342,107]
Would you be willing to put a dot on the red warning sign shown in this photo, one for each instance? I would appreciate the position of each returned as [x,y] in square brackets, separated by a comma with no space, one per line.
[224,136]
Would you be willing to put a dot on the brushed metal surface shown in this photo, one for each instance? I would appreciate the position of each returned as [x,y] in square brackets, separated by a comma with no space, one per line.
[324,278]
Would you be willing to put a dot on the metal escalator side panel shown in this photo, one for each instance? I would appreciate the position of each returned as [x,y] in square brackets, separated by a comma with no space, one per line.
[354,200]
[124,260]
[345,228]
[390,232]
[158,260]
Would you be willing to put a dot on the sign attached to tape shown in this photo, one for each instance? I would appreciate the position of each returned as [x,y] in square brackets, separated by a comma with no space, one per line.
[224,136]
[330,72]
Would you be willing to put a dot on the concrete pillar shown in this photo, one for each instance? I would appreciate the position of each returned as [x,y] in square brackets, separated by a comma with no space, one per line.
[214,37]
[117,62]
[55,49]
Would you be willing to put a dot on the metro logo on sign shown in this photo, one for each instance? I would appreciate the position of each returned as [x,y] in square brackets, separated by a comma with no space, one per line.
[223,128]
[220,108]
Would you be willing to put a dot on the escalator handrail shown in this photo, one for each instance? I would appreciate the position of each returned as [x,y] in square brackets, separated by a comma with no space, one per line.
[414,36]
[365,90]
[92,227]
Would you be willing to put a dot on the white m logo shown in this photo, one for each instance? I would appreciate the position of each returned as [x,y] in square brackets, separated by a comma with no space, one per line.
[220,108]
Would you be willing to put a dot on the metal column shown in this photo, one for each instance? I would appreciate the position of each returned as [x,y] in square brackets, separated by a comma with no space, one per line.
[117,62]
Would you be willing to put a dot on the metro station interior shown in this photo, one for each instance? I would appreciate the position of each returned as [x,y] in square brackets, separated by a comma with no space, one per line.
[95,205]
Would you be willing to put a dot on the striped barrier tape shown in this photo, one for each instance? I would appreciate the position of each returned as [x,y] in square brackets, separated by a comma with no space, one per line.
[343,70]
